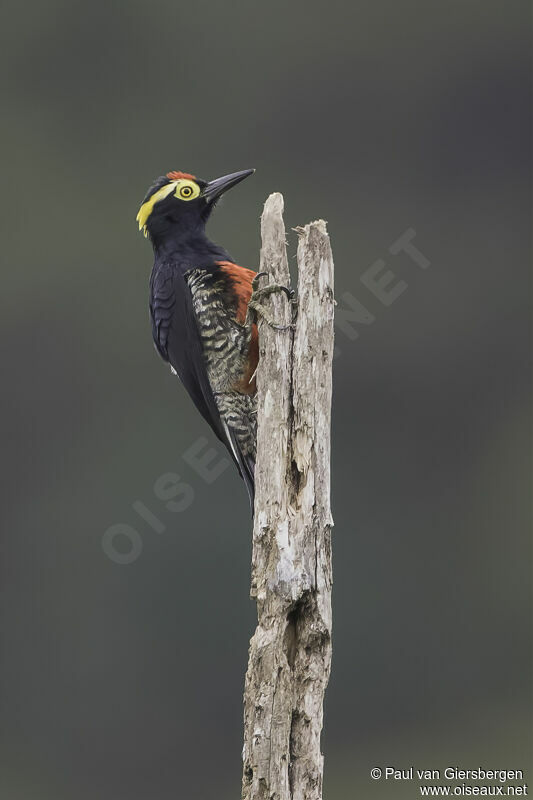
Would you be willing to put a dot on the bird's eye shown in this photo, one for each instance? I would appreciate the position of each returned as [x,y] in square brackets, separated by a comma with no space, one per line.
[187,190]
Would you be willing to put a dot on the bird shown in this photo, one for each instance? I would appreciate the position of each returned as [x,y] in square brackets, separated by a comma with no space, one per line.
[202,309]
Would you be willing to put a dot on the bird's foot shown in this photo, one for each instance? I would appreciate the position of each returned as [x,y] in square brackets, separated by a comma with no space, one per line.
[257,308]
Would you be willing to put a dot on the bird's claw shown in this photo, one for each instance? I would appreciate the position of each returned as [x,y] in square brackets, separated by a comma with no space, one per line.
[257,294]
[271,288]
[255,281]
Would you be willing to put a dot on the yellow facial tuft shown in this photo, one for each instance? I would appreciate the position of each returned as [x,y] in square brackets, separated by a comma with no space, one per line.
[183,189]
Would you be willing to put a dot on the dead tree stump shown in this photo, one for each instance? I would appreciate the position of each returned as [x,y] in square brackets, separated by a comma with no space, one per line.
[290,651]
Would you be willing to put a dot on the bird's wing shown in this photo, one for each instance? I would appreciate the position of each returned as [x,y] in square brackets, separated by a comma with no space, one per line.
[177,339]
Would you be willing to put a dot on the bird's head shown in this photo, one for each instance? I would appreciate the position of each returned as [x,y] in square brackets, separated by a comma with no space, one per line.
[179,202]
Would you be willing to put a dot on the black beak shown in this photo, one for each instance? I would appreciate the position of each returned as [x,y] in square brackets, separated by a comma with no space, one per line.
[220,185]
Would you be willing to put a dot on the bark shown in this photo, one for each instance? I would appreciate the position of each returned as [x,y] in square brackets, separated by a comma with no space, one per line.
[290,651]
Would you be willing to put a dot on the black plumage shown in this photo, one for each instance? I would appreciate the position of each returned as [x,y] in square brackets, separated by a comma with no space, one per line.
[198,304]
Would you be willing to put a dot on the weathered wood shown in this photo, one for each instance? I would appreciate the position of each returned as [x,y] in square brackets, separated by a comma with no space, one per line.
[290,652]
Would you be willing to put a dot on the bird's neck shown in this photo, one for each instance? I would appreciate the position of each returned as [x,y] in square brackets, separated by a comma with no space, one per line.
[182,246]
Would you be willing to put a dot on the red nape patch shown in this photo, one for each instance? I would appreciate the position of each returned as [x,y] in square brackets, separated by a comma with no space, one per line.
[180,176]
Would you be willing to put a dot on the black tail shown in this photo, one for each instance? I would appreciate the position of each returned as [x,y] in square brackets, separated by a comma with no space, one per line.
[245,465]
[248,476]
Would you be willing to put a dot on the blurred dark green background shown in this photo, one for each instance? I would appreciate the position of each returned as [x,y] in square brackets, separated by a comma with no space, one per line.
[378,116]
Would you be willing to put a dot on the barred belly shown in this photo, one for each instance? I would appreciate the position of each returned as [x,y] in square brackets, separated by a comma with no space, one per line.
[226,346]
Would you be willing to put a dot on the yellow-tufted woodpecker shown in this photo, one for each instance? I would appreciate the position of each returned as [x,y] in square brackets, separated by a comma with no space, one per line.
[199,309]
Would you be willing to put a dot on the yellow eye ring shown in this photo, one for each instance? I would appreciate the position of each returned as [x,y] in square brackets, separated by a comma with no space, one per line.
[187,190]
